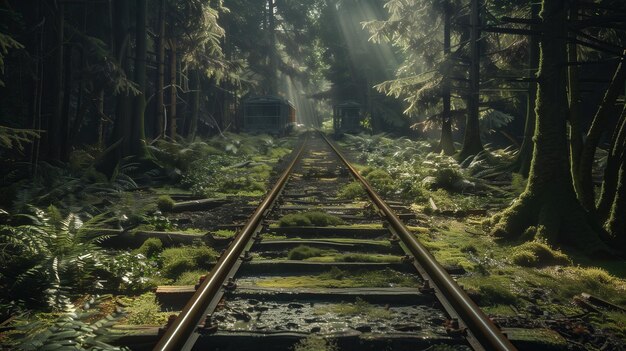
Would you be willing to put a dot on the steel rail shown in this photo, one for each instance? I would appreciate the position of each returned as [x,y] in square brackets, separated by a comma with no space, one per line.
[478,324]
[180,334]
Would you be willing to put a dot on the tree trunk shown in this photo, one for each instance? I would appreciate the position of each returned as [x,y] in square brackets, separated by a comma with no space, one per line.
[611,172]
[173,96]
[64,146]
[54,126]
[525,155]
[123,108]
[160,78]
[195,105]
[616,223]
[575,103]
[446,144]
[273,84]
[548,208]
[138,134]
[598,126]
[472,144]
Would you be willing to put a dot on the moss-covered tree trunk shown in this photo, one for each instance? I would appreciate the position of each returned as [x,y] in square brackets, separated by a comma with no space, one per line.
[472,144]
[549,206]
[446,143]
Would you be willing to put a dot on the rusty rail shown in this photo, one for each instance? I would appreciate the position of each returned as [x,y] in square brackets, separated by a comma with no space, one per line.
[182,333]
[487,336]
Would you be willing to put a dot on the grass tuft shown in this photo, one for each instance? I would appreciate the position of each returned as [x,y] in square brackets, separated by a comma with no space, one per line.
[303,252]
[150,248]
[165,203]
[537,254]
[177,260]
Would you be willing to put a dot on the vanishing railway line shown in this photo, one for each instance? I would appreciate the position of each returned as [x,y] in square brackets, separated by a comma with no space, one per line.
[255,298]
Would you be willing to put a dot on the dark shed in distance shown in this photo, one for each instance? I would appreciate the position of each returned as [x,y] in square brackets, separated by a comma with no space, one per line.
[268,114]
[347,117]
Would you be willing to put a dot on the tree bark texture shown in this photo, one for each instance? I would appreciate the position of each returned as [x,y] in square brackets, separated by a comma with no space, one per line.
[611,172]
[160,79]
[598,127]
[472,145]
[173,94]
[137,133]
[575,103]
[446,144]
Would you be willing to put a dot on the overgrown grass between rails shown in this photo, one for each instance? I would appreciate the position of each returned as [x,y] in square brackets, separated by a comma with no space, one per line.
[312,254]
[310,218]
[337,278]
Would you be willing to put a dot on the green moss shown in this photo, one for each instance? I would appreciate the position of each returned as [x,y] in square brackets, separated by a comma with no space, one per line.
[537,254]
[145,310]
[355,257]
[352,191]
[190,277]
[295,220]
[315,343]
[178,260]
[165,203]
[337,278]
[311,218]
[491,290]
[151,247]
[224,233]
[303,252]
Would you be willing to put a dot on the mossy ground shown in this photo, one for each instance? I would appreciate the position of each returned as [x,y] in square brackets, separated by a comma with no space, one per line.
[311,254]
[507,278]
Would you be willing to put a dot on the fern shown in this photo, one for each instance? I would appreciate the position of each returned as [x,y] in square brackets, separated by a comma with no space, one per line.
[74,329]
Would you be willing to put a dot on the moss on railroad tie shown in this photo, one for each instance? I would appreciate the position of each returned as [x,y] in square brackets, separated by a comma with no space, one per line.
[338,278]
[308,219]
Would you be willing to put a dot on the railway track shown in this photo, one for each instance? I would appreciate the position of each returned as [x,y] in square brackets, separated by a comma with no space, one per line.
[366,285]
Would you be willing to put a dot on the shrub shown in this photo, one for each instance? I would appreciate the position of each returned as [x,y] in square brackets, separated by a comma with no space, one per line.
[144,309]
[178,260]
[447,177]
[381,181]
[351,191]
[150,248]
[537,254]
[165,203]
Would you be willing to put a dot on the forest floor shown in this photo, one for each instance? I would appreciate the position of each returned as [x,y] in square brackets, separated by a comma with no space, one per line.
[576,300]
